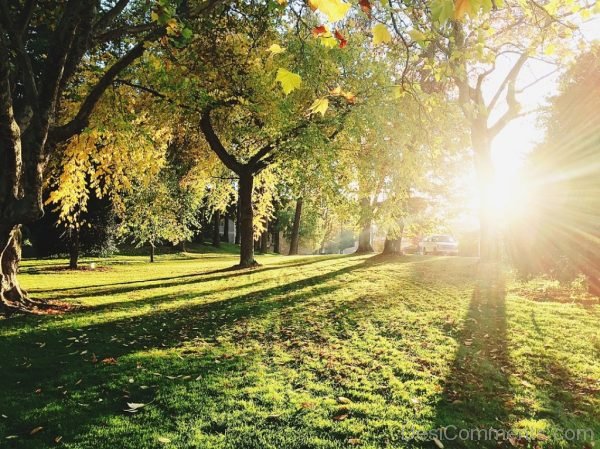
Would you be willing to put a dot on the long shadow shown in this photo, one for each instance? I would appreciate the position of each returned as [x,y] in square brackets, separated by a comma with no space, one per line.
[477,393]
[223,273]
[38,364]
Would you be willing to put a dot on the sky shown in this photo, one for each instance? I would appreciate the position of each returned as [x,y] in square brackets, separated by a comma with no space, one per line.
[519,137]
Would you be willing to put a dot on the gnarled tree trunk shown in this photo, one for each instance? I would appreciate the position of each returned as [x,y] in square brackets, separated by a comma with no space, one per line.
[12,296]
[295,237]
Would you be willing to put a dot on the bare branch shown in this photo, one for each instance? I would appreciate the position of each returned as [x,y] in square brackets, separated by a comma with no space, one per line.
[510,78]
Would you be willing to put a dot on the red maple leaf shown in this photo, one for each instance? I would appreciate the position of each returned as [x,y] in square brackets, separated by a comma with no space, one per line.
[366,7]
[341,39]
[319,31]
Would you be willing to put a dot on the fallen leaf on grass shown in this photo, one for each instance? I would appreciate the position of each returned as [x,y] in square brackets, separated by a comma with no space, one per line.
[58,439]
[353,441]
[438,443]
[134,407]
[163,440]
[36,430]
[344,400]
[340,417]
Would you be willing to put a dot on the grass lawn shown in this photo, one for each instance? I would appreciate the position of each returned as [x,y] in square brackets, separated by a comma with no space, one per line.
[304,352]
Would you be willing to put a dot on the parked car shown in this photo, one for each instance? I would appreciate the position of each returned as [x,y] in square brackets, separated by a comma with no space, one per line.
[439,244]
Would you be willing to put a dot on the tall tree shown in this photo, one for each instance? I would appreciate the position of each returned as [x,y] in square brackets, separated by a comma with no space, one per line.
[43,49]
[483,48]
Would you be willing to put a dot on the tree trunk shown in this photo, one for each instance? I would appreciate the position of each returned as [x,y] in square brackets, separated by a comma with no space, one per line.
[275,235]
[393,245]
[152,252]
[488,236]
[295,238]
[246,220]
[216,237]
[12,296]
[264,239]
[183,246]
[226,228]
[74,248]
[364,238]
[238,220]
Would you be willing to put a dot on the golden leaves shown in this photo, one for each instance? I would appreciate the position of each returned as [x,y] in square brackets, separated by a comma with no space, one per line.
[288,80]
[319,106]
[381,34]
[334,9]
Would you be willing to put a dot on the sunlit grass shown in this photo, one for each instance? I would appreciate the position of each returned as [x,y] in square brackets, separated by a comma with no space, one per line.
[307,352]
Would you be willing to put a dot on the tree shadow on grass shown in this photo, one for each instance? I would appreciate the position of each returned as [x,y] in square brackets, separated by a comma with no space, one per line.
[477,393]
[64,380]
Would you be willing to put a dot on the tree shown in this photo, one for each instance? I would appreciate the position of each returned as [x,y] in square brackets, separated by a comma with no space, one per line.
[471,43]
[247,123]
[559,233]
[151,216]
[43,52]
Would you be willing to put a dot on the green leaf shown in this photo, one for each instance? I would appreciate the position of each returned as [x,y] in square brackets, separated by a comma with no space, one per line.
[442,10]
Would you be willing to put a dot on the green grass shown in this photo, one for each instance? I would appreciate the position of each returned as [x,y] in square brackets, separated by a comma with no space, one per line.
[304,352]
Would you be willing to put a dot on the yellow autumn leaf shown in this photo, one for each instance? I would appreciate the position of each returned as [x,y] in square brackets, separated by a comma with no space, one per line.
[282,2]
[320,105]
[334,9]
[416,35]
[381,35]
[288,80]
[328,41]
[276,49]
[397,91]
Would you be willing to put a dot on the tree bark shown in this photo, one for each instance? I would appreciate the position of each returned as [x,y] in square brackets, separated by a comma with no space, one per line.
[264,239]
[364,238]
[275,233]
[225,237]
[246,220]
[74,249]
[216,237]
[488,236]
[295,237]
[393,245]
[151,252]
[12,296]
[238,220]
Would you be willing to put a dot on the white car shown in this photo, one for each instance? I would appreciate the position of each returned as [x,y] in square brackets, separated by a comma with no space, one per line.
[439,244]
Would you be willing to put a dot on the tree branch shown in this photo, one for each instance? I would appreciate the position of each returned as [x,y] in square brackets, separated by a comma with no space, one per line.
[109,16]
[510,78]
[215,143]
[28,77]
[81,119]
